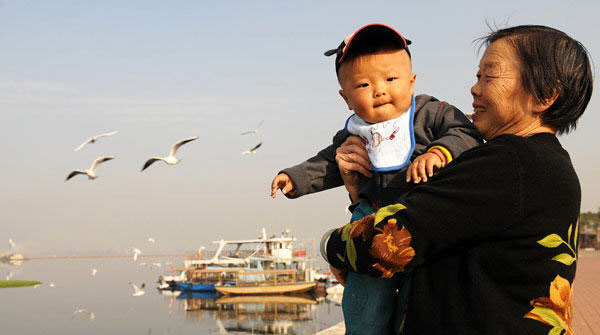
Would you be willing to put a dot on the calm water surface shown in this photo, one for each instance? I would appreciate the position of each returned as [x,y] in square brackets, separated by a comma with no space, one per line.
[49,310]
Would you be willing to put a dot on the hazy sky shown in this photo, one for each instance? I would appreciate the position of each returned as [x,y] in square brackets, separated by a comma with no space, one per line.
[159,71]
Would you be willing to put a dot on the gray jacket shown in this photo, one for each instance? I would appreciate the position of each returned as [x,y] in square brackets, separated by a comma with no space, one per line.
[435,123]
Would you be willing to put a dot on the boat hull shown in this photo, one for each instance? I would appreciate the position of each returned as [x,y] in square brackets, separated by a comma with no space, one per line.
[298,287]
[196,287]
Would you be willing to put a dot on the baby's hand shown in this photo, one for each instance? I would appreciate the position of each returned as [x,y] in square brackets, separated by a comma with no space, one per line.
[423,166]
[284,183]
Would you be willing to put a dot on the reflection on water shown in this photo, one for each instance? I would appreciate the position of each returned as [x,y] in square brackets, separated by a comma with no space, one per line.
[49,309]
[262,314]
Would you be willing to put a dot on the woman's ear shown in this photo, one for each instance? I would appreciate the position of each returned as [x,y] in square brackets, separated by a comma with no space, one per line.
[346,99]
[540,107]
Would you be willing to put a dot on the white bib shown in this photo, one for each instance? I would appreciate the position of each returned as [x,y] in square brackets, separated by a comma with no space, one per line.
[389,144]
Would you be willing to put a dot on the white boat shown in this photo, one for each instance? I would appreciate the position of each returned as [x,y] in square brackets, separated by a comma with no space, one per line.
[270,253]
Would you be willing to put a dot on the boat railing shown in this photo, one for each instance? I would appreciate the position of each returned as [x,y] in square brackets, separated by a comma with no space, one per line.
[265,277]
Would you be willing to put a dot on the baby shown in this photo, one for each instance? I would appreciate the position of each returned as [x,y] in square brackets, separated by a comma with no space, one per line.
[374,70]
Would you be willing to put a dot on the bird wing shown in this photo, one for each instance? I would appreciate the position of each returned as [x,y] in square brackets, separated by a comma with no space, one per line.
[80,311]
[134,286]
[255,130]
[150,161]
[256,147]
[84,143]
[105,134]
[74,173]
[176,146]
[259,124]
[100,160]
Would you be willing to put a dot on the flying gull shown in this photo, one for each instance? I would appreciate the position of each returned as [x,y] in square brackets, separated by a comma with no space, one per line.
[91,172]
[81,310]
[255,130]
[253,150]
[94,139]
[171,159]
[136,252]
[137,291]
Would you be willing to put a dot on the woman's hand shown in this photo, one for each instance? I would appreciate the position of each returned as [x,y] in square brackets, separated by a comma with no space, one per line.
[352,158]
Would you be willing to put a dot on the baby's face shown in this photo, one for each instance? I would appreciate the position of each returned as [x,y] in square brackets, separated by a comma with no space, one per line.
[378,87]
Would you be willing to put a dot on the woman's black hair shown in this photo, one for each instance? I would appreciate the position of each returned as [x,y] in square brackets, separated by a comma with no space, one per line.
[552,65]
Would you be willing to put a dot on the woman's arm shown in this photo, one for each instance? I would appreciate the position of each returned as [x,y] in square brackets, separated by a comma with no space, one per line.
[352,158]
[474,198]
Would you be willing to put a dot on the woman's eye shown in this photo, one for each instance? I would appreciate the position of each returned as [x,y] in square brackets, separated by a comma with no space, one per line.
[391,78]
[363,85]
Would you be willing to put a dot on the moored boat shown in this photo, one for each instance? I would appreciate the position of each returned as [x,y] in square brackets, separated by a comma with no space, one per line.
[265,282]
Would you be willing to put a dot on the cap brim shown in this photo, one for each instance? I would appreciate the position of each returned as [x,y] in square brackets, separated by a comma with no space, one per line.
[370,31]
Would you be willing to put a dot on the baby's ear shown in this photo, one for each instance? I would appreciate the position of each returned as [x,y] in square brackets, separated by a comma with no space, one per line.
[413,77]
[345,99]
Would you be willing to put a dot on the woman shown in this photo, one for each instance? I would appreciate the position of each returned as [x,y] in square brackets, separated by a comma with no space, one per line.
[492,238]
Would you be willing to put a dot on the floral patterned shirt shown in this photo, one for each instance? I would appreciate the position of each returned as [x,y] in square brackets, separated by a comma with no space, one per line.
[491,240]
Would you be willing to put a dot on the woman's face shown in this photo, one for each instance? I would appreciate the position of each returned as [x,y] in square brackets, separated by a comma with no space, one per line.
[500,102]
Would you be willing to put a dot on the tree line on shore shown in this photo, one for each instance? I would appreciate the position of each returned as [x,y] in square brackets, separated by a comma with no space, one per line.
[589,221]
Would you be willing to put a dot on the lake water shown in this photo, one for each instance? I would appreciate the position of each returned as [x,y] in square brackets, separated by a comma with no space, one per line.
[49,310]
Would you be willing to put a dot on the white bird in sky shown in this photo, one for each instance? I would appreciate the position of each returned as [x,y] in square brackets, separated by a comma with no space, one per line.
[253,150]
[171,159]
[136,252]
[11,243]
[94,271]
[94,139]
[255,130]
[91,172]
[151,240]
[81,310]
[137,291]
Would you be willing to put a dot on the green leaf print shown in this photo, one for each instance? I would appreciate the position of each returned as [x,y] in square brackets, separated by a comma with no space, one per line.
[556,331]
[576,237]
[566,259]
[351,253]
[346,232]
[387,211]
[551,241]
[350,248]
[549,316]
